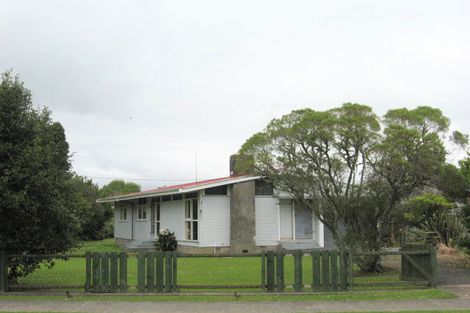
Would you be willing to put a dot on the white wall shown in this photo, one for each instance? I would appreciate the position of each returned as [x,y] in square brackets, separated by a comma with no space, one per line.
[172,217]
[142,227]
[122,229]
[267,216]
[214,229]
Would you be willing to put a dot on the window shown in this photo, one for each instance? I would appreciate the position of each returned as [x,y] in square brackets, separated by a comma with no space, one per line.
[154,216]
[263,188]
[142,209]
[177,197]
[123,214]
[191,219]
[166,198]
[216,191]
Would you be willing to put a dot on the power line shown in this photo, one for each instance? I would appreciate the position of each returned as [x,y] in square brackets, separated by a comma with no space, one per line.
[140,179]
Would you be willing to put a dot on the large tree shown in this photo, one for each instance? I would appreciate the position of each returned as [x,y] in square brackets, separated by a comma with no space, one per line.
[34,171]
[352,169]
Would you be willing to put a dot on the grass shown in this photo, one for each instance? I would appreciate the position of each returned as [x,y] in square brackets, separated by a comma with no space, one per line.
[344,296]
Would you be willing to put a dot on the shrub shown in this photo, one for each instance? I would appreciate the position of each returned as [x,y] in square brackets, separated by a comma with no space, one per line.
[166,240]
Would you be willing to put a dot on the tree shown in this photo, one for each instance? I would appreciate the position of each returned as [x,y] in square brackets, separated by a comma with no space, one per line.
[34,175]
[118,187]
[349,172]
[93,216]
[435,220]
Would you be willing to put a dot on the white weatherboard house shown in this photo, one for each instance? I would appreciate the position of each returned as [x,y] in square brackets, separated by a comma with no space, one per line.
[235,214]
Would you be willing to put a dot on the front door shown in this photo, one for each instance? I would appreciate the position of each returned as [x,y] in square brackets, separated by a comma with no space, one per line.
[303,223]
[285,207]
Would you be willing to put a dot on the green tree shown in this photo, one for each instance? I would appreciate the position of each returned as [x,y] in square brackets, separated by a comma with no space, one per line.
[435,220]
[34,175]
[93,216]
[349,172]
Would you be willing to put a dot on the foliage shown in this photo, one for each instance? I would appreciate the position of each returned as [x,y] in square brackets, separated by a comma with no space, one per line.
[435,220]
[166,240]
[34,176]
[93,216]
[452,183]
[340,164]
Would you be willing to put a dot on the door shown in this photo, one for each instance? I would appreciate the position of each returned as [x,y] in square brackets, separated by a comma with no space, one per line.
[303,223]
[285,207]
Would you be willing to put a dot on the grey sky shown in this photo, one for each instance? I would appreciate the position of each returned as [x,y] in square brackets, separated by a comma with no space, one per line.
[140,86]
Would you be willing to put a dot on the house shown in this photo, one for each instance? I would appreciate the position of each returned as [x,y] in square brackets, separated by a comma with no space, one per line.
[240,213]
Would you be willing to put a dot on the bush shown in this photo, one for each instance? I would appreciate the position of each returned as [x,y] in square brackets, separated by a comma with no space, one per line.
[166,240]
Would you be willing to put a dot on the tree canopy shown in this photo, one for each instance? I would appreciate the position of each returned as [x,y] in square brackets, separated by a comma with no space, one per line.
[352,168]
[34,175]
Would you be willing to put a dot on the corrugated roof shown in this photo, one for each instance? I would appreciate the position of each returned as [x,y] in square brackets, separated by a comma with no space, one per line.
[181,188]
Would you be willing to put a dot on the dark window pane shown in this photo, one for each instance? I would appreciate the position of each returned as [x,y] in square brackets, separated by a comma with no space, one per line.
[194,230]
[187,209]
[158,211]
[263,188]
[166,198]
[195,209]
[178,197]
[216,191]
[191,195]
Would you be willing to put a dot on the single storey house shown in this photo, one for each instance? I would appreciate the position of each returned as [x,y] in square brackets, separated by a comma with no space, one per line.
[234,214]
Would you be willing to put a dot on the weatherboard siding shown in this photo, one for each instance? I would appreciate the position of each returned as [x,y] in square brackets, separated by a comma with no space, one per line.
[172,217]
[122,229]
[267,216]
[214,228]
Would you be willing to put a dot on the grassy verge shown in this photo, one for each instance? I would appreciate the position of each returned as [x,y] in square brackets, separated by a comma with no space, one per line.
[347,296]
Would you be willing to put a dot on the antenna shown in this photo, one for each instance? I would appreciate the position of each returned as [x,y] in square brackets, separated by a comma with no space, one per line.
[195,163]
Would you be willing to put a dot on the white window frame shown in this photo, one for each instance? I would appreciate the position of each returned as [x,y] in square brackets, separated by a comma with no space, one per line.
[190,219]
[142,209]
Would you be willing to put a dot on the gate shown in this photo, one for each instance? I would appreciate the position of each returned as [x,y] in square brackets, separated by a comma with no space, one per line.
[418,264]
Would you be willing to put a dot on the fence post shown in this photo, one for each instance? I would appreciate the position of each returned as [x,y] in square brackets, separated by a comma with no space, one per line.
[263,270]
[325,268]
[168,274]
[316,270]
[114,272]
[174,282]
[123,272]
[3,271]
[88,271]
[270,271]
[159,272]
[334,269]
[96,272]
[350,270]
[141,272]
[298,284]
[150,271]
[105,272]
[280,271]
[433,256]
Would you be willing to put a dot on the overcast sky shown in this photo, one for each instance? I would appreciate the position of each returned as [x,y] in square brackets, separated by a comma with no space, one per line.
[141,86]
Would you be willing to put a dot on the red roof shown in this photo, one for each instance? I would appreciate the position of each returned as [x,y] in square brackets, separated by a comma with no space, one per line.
[180,186]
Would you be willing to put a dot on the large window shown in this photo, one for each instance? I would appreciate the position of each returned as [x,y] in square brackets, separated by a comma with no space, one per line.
[191,219]
[123,214]
[142,209]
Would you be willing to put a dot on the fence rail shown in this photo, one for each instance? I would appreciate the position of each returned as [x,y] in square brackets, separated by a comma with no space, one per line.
[331,270]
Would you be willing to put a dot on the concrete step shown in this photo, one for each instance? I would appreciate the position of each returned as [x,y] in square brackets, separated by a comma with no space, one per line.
[299,244]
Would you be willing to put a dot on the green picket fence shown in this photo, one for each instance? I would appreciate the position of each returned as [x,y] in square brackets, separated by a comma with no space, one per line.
[331,270]
[318,270]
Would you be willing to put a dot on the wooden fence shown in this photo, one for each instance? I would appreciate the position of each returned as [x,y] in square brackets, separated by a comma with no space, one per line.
[158,272]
